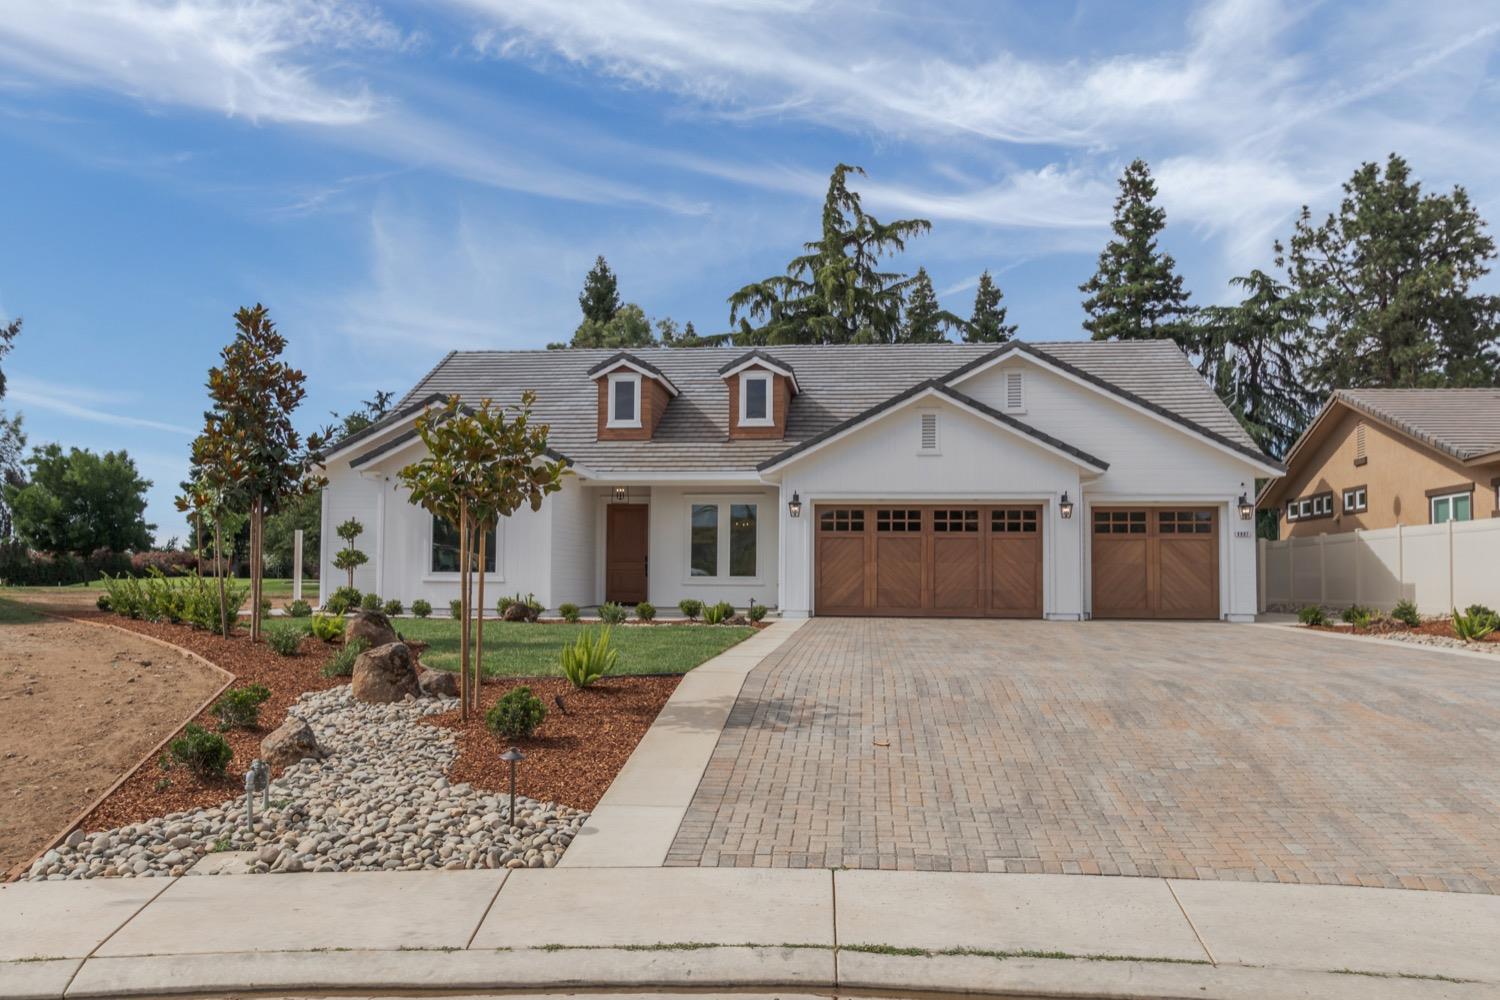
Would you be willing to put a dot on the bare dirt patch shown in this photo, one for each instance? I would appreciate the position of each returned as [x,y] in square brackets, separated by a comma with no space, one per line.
[79,705]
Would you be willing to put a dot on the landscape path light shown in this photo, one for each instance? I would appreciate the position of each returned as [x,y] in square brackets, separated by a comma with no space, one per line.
[513,756]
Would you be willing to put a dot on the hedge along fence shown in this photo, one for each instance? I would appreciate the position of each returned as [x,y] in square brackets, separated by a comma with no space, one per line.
[20,567]
[1439,566]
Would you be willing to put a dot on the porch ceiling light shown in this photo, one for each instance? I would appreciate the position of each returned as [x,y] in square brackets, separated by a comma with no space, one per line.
[1065,506]
[794,505]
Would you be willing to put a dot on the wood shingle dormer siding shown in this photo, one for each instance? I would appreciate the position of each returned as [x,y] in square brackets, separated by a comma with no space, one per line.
[744,378]
[654,400]
[633,396]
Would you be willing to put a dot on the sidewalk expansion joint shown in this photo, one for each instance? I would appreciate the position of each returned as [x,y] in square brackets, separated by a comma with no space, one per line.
[1191,926]
[123,924]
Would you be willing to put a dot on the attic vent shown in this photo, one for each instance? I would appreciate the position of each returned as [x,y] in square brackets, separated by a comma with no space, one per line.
[1359,441]
[929,432]
[1015,398]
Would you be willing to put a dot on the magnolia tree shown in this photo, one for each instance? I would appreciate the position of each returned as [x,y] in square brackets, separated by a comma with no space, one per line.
[481,464]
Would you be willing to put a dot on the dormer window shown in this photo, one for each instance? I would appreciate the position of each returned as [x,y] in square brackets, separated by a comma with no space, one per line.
[755,399]
[624,400]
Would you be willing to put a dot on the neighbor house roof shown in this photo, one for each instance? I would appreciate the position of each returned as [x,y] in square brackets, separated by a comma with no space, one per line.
[1461,423]
[838,383]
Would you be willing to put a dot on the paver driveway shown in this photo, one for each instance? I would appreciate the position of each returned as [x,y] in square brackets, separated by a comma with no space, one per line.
[1169,749]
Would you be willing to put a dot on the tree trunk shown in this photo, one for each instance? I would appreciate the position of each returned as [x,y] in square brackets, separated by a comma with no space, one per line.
[219,573]
[464,543]
[479,638]
[257,507]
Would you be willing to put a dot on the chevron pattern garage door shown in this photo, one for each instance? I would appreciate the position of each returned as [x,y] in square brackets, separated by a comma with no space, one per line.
[1155,562]
[956,561]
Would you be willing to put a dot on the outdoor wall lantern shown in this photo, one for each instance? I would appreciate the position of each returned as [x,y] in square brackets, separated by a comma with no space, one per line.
[621,494]
[513,757]
[794,505]
[1247,509]
[1065,506]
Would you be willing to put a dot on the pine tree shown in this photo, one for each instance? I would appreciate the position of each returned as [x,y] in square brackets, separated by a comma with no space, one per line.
[926,320]
[834,293]
[600,298]
[1136,294]
[987,324]
[1389,280]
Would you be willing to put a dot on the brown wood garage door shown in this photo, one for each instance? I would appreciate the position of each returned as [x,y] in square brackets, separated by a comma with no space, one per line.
[1155,562]
[916,560]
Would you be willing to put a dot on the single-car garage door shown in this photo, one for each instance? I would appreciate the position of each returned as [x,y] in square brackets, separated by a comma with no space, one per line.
[1155,562]
[914,560]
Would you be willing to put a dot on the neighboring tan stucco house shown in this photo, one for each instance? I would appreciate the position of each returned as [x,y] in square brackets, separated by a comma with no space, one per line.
[1061,480]
[1377,458]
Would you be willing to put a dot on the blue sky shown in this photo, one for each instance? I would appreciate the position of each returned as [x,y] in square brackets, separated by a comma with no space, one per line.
[397,180]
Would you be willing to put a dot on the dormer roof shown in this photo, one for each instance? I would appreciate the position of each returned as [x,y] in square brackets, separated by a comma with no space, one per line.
[624,359]
[760,359]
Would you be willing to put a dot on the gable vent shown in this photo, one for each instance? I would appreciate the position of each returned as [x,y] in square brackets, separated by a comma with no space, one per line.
[1359,440]
[929,432]
[1015,398]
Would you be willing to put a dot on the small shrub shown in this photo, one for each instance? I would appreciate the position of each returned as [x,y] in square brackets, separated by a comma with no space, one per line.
[341,664]
[757,611]
[1406,613]
[569,612]
[517,715]
[503,605]
[421,608]
[455,609]
[392,608]
[241,706]
[1475,623]
[265,605]
[1312,614]
[1359,616]
[102,601]
[1482,612]
[611,613]
[328,628]
[370,602]
[645,611]
[204,753]
[299,609]
[284,638]
[716,614]
[588,658]
[343,600]
[691,608]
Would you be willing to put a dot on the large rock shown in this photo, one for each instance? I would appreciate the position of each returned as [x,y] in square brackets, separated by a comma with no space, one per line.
[289,743]
[437,683]
[371,626]
[519,612]
[385,674]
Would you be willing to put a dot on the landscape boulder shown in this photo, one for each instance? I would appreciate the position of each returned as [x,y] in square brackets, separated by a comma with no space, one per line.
[519,612]
[385,674]
[437,683]
[289,743]
[371,626]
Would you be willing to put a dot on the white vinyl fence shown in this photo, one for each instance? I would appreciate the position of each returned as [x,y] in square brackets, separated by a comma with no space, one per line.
[1439,566]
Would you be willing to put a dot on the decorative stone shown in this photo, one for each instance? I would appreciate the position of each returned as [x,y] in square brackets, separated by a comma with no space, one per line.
[437,683]
[289,743]
[385,674]
[371,626]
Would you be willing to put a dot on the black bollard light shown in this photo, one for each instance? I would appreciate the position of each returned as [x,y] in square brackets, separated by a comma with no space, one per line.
[513,757]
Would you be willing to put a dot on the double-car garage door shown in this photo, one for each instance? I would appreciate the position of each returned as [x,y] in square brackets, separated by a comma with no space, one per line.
[986,561]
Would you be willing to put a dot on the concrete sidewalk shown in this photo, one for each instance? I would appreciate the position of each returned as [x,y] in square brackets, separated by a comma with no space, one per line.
[811,930]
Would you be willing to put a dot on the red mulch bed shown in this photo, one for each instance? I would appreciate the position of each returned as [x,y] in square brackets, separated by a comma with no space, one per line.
[1435,626]
[140,797]
[574,756]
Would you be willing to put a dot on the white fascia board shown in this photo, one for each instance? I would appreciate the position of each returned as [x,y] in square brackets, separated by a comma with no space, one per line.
[1016,352]
[644,372]
[768,366]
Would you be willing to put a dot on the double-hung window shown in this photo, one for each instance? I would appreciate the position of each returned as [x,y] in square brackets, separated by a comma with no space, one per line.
[755,399]
[1452,507]
[723,539]
[624,400]
[445,548]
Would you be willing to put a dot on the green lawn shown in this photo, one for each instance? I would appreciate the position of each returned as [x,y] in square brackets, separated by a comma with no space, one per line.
[515,649]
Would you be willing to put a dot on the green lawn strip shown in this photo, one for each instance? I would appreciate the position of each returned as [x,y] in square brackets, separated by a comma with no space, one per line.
[518,649]
[12,613]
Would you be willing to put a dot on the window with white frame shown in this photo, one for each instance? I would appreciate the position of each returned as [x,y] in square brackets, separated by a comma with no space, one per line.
[723,539]
[1356,500]
[444,551]
[755,399]
[1291,510]
[1452,507]
[624,400]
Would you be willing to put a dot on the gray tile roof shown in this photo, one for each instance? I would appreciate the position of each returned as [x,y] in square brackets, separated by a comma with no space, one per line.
[1463,423]
[837,383]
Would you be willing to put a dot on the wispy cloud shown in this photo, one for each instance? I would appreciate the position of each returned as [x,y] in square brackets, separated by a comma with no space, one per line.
[81,403]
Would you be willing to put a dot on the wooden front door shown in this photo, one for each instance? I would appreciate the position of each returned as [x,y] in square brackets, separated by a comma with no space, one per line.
[1155,562]
[922,561]
[625,553]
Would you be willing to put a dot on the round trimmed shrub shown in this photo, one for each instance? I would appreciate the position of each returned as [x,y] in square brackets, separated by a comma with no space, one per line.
[570,612]
[611,613]
[240,707]
[691,608]
[392,607]
[299,609]
[370,602]
[645,611]
[204,753]
[284,638]
[421,608]
[516,715]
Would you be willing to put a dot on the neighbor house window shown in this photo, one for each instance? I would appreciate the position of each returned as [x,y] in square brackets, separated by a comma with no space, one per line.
[712,549]
[624,400]
[1291,510]
[1452,507]
[1356,500]
[446,547]
[755,399]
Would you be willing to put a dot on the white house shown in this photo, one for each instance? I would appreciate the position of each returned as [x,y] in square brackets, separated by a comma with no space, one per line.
[1063,480]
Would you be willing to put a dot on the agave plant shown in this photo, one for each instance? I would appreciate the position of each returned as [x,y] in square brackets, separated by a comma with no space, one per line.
[588,658]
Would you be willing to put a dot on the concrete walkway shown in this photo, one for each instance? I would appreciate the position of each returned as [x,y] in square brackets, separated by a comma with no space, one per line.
[701,927]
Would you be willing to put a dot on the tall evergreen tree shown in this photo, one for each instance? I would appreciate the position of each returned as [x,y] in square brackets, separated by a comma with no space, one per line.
[12,438]
[1136,294]
[927,322]
[987,323]
[629,327]
[834,293]
[600,298]
[1389,281]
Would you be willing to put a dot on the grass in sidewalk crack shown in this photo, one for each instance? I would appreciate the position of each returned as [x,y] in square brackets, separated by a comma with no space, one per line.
[1430,976]
[876,949]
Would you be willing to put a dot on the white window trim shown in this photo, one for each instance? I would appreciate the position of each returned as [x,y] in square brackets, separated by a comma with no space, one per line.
[431,576]
[762,505]
[609,399]
[937,434]
[769,420]
[1450,497]
[1360,497]
[1291,510]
